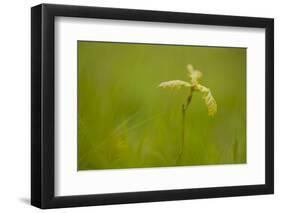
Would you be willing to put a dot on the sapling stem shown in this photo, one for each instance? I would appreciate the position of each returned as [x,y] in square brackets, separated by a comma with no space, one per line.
[184,109]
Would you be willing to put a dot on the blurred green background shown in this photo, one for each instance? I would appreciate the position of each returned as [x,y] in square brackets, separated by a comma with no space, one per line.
[126,121]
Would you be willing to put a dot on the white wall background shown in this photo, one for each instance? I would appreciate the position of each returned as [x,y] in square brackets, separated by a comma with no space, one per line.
[15,105]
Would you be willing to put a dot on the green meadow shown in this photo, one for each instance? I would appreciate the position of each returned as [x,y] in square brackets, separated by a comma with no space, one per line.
[125,120]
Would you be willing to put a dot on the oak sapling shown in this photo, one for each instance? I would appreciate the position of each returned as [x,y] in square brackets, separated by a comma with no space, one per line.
[193,86]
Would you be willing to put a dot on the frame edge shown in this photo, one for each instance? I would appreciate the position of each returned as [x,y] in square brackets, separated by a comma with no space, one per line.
[269,116]
[36,60]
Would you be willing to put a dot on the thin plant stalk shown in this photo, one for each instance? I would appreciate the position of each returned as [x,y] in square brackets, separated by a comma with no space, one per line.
[184,109]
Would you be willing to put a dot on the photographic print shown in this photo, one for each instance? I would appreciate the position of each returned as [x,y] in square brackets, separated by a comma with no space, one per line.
[157,105]
[134,95]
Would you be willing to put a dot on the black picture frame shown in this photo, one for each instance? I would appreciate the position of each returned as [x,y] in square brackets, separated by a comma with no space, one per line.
[43,102]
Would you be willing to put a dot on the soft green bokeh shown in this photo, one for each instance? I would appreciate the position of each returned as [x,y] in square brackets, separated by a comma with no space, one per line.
[126,121]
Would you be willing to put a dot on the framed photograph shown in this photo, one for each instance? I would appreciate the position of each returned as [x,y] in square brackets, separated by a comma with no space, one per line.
[139,106]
